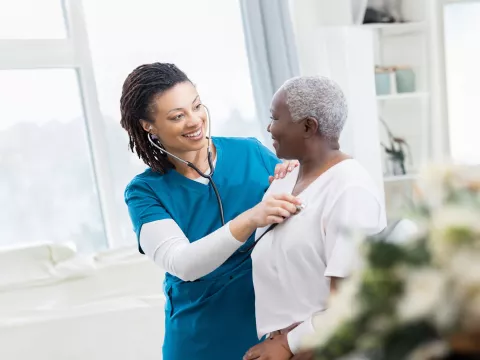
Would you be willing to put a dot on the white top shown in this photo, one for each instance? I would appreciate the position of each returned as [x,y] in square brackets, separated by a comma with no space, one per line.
[165,243]
[292,263]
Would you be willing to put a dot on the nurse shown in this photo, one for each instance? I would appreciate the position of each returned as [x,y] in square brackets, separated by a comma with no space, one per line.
[209,312]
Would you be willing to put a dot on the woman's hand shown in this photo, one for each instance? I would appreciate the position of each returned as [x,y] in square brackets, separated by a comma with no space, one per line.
[271,349]
[273,209]
[281,170]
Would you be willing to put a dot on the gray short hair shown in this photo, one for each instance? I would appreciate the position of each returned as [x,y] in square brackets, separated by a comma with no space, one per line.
[318,97]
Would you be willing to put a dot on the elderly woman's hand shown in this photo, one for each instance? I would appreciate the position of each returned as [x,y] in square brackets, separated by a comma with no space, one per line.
[271,349]
[281,170]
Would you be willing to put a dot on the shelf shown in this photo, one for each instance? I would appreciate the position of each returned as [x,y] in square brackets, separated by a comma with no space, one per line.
[401,96]
[398,28]
[396,178]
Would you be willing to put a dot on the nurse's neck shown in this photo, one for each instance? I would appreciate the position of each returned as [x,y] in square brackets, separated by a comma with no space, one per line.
[319,155]
[198,158]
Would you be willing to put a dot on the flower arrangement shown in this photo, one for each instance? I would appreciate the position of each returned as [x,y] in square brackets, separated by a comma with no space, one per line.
[419,298]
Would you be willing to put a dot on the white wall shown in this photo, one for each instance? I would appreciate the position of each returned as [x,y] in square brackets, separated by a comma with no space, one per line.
[342,54]
[307,16]
[345,54]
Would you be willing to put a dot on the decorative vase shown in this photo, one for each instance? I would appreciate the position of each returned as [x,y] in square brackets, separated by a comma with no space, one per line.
[405,79]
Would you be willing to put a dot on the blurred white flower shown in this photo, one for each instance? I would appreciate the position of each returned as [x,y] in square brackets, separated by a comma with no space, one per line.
[451,228]
[464,268]
[437,181]
[432,184]
[423,293]
[465,177]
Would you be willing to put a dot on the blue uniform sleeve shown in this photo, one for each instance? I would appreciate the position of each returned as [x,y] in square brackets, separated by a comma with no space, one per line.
[269,159]
[143,206]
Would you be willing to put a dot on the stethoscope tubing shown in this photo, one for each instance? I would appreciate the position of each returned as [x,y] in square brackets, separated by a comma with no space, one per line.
[192,166]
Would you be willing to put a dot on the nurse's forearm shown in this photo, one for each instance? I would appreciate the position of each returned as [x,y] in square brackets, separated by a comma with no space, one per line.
[166,244]
[242,227]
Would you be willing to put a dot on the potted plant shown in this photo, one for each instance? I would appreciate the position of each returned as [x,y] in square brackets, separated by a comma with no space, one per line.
[418,299]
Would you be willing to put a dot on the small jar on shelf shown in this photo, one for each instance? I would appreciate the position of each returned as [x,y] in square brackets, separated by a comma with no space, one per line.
[394,80]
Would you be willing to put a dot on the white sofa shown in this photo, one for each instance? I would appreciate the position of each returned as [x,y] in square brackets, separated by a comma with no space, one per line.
[56,304]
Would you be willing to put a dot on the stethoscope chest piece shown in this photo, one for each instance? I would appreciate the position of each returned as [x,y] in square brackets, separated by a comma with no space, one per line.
[300,208]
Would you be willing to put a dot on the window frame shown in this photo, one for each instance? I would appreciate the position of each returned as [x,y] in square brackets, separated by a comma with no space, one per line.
[73,52]
[441,138]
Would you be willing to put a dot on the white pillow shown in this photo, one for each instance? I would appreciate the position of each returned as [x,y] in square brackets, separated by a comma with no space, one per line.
[31,264]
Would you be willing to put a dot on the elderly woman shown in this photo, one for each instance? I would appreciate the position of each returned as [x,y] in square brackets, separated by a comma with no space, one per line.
[299,262]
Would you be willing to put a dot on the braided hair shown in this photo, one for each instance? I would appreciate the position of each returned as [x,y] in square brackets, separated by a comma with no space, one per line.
[137,102]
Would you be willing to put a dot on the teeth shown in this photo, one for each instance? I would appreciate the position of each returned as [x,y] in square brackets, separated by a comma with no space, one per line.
[195,134]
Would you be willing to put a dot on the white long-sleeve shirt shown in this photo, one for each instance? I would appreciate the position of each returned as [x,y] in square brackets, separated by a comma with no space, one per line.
[165,243]
[293,264]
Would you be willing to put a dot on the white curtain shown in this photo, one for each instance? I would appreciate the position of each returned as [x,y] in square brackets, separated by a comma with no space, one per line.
[271,49]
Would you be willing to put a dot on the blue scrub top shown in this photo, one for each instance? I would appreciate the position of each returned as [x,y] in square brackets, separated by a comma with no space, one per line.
[213,317]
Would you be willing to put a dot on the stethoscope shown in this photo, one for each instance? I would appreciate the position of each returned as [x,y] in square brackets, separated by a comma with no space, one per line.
[270,228]
[210,178]
[189,164]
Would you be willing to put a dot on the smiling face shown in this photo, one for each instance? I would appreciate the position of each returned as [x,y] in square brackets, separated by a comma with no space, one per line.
[288,136]
[179,119]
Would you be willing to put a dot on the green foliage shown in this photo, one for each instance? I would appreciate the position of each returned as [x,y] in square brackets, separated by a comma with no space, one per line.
[384,325]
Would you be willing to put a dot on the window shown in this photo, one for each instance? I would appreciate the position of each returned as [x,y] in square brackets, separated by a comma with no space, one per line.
[462,54]
[63,155]
[32,19]
[204,38]
[47,189]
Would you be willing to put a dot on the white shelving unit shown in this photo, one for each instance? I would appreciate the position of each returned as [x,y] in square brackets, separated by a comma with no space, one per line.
[395,178]
[328,24]
[407,115]
[398,28]
[402,96]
